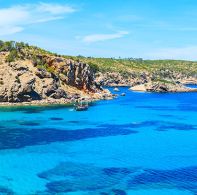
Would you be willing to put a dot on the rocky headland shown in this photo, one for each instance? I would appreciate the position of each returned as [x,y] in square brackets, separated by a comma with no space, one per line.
[160,86]
[164,81]
[30,75]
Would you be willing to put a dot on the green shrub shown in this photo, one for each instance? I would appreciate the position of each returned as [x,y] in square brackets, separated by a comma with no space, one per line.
[12,56]
[94,67]
[46,67]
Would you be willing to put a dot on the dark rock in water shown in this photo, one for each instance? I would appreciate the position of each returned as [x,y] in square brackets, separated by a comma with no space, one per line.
[90,183]
[183,178]
[56,119]
[75,122]
[115,170]
[118,192]
[37,136]
[73,177]
[29,123]
[59,187]
[6,191]
[31,111]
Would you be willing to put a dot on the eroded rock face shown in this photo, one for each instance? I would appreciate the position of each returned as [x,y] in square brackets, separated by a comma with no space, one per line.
[162,87]
[72,73]
[19,83]
[118,79]
[22,81]
[140,78]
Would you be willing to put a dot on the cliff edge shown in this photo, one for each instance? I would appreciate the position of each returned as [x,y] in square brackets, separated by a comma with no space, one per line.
[30,74]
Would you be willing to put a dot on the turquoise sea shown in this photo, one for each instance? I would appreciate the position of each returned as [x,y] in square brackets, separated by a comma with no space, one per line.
[140,144]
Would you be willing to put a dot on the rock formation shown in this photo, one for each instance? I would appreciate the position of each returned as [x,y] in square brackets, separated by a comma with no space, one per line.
[158,81]
[118,79]
[160,86]
[23,80]
[28,73]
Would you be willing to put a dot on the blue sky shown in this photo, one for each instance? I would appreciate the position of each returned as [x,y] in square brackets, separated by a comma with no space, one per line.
[152,29]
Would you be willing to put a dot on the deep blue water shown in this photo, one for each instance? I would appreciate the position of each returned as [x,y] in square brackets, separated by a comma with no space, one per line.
[140,144]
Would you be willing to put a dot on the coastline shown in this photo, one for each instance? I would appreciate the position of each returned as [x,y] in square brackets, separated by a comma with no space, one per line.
[37,103]
[104,95]
[95,97]
[142,88]
[164,87]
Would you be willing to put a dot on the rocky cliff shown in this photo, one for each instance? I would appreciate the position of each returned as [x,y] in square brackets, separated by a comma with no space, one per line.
[28,73]
[117,79]
[160,86]
[157,81]
[45,77]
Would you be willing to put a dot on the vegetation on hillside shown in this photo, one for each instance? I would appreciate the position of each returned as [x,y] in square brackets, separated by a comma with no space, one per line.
[137,65]
[19,50]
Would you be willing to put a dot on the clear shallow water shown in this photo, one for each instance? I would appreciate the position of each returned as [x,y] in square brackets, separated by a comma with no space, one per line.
[143,143]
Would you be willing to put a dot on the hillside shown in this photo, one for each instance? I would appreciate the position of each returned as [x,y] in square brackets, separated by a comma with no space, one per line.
[29,73]
[131,64]
[132,71]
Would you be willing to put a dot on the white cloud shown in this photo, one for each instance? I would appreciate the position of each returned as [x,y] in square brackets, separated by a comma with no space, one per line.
[13,15]
[103,37]
[55,8]
[14,19]
[7,30]
[183,53]
[43,20]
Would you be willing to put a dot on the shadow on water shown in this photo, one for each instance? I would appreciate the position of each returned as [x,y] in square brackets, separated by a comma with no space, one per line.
[181,107]
[30,133]
[158,108]
[6,191]
[85,177]
[187,107]
[73,177]
[21,137]
[56,119]
[157,125]
[183,178]
[32,109]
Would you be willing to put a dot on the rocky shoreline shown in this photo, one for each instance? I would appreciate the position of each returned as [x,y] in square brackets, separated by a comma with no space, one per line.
[46,79]
[104,95]
[148,82]
[162,87]
[62,101]
[32,76]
